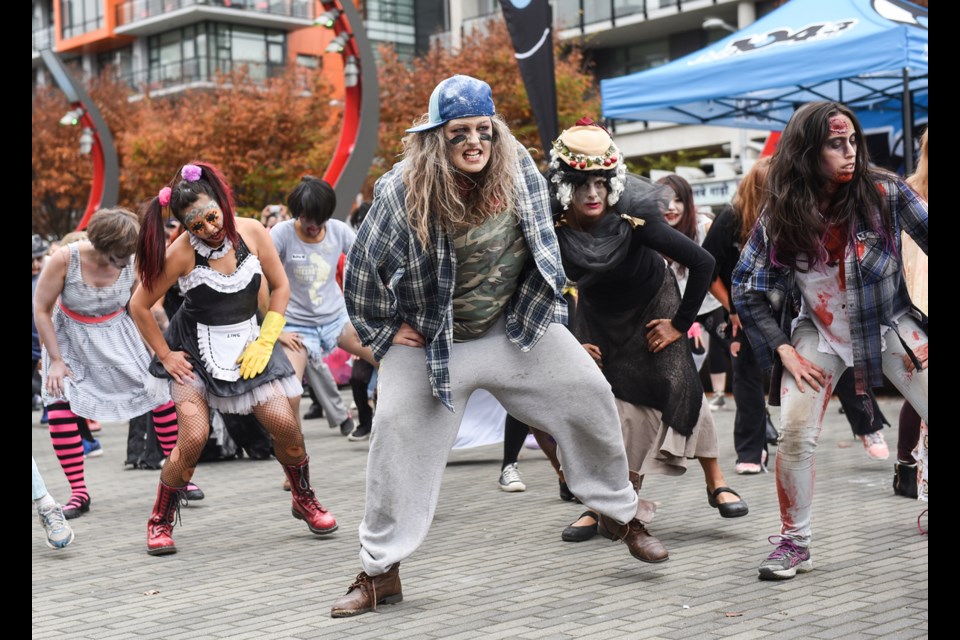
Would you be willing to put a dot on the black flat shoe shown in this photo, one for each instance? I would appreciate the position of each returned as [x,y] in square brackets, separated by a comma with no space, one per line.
[565,494]
[727,509]
[192,492]
[579,534]
[76,507]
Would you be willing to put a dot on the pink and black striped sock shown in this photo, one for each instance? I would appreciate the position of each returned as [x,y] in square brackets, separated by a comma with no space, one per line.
[67,444]
[165,424]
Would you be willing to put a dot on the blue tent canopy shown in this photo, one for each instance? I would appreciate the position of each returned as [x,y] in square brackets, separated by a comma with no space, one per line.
[863,53]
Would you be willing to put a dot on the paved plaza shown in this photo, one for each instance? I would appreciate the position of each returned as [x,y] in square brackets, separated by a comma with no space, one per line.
[493,565]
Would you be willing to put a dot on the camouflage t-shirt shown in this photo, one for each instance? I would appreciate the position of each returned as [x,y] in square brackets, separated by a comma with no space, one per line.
[490,259]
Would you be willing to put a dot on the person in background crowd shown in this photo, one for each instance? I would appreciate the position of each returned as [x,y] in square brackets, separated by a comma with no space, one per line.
[363,375]
[908,479]
[58,531]
[94,361]
[683,216]
[828,236]
[310,246]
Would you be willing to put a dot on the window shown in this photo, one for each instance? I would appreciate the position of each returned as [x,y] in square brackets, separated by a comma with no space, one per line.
[309,62]
[80,16]
[200,51]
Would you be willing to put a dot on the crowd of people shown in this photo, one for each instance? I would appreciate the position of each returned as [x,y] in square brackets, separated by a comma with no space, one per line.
[458,277]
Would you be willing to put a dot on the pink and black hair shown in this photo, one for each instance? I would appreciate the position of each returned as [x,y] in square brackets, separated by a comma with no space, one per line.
[151,245]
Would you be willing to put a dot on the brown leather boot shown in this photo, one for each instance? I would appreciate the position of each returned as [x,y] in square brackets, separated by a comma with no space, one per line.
[646,509]
[306,507]
[640,543]
[367,592]
[166,510]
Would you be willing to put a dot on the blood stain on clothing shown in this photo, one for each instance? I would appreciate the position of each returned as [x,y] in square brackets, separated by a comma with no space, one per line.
[822,310]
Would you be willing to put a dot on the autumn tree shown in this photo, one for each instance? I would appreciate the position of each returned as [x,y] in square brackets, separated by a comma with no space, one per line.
[61,176]
[264,136]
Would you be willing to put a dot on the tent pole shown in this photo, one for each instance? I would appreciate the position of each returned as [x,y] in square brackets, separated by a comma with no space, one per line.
[907,124]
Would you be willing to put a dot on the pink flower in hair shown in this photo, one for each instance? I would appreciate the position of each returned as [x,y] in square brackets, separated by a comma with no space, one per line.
[164,197]
[190,172]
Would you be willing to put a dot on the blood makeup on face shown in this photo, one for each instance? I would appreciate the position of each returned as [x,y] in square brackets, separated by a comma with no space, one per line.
[838,126]
[840,130]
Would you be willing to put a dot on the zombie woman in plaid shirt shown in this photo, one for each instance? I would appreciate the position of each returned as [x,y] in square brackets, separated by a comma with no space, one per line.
[828,238]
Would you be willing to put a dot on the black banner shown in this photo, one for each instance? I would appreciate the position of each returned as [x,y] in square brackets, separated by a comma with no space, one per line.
[531,30]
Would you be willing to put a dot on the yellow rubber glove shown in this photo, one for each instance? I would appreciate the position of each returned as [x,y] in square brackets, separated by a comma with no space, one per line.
[255,357]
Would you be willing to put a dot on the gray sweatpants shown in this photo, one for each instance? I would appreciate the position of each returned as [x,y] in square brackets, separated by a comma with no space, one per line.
[555,387]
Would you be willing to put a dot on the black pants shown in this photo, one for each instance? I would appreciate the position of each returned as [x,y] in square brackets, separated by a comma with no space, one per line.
[750,423]
[359,379]
[853,408]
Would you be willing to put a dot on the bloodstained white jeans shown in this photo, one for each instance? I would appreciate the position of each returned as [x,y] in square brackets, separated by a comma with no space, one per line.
[801,417]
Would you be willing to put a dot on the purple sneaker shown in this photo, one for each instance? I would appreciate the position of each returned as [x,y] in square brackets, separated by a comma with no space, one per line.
[788,560]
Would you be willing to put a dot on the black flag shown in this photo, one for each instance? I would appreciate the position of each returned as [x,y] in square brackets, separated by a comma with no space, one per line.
[531,30]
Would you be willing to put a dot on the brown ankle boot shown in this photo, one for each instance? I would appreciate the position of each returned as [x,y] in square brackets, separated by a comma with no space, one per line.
[306,507]
[640,543]
[646,509]
[367,592]
[166,510]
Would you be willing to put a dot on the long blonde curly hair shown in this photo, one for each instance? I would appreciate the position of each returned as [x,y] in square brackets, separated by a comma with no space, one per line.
[434,186]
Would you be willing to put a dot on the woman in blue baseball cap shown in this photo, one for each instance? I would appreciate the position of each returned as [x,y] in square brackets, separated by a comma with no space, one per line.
[456,270]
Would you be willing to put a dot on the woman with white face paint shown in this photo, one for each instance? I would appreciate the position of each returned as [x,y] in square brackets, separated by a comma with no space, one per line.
[828,241]
[94,361]
[214,354]
[711,335]
[631,316]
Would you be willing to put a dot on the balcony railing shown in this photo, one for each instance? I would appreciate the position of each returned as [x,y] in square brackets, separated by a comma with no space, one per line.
[194,70]
[570,12]
[136,10]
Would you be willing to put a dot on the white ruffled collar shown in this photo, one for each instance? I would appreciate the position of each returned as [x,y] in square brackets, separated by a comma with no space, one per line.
[208,252]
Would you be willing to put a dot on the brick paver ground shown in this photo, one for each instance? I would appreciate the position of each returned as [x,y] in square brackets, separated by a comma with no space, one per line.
[493,565]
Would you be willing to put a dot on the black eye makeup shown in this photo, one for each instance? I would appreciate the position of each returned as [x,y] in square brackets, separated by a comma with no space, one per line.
[483,133]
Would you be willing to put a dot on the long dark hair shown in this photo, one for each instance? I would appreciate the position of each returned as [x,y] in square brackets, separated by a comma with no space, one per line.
[152,244]
[682,189]
[797,184]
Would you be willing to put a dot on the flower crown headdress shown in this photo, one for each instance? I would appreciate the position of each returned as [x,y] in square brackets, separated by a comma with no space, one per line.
[587,146]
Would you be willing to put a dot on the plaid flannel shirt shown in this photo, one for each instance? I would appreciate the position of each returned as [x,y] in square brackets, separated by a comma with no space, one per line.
[875,290]
[389,278]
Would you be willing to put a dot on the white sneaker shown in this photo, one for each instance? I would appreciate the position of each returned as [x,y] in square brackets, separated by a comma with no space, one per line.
[510,479]
[59,533]
[718,402]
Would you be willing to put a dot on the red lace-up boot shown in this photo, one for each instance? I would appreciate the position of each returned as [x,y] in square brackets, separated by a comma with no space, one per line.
[166,510]
[306,507]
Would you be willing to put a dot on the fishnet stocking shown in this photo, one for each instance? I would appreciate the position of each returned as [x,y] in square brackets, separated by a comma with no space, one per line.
[194,429]
[278,419]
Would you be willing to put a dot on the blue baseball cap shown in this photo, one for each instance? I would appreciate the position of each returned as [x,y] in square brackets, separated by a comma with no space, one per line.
[457,97]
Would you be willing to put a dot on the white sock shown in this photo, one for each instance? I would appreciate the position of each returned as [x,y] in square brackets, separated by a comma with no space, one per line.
[45,503]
